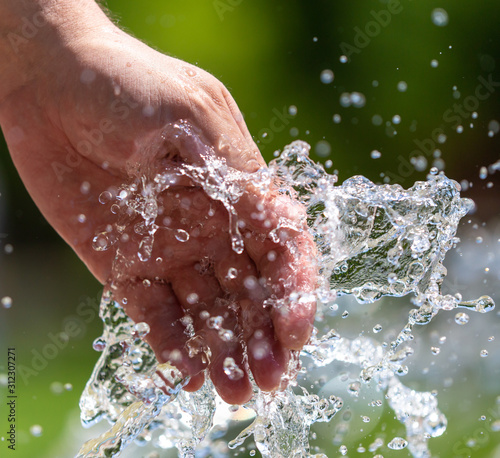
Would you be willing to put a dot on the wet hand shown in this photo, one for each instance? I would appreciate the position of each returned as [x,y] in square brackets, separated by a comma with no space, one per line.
[92,118]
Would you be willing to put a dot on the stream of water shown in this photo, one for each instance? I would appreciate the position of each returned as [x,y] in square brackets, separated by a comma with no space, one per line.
[373,241]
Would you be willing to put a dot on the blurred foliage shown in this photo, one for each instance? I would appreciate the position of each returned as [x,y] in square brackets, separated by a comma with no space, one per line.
[270,54]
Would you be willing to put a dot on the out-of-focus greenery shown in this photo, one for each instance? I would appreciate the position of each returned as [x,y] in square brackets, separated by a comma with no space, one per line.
[270,54]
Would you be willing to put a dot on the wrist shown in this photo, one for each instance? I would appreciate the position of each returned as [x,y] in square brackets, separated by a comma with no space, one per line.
[33,34]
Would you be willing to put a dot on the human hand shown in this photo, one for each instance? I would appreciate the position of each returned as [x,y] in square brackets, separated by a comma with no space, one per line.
[90,118]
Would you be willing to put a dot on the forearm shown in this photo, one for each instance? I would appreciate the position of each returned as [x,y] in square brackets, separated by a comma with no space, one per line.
[33,32]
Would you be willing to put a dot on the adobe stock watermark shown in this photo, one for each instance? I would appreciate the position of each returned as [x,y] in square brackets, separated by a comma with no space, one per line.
[453,118]
[27,31]
[364,36]
[225,6]
[93,138]
[277,123]
[471,443]
[73,327]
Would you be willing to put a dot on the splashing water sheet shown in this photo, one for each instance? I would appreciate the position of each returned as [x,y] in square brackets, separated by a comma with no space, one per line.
[373,241]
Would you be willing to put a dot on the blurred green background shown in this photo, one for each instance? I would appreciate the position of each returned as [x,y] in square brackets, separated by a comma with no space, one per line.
[271,55]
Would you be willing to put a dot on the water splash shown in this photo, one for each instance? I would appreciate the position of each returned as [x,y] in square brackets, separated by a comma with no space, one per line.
[373,240]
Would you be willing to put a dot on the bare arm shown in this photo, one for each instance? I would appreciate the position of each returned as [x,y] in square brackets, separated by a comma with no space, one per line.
[32,33]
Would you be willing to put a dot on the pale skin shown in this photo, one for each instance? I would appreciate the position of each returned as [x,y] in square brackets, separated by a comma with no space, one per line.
[81,103]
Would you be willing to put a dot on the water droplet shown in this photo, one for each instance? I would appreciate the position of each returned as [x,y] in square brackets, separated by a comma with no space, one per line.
[353,389]
[105,197]
[337,118]
[237,243]
[435,350]
[495,426]
[323,148]
[142,330]
[343,59]
[461,318]
[483,353]
[435,424]
[365,419]
[271,256]
[482,305]
[292,110]
[493,127]
[81,218]
[226,335]
[375,154]
[358,100]
[377,328]
[434,63]
[260,347]
[145,249]
[204,315]
[192,298]
[439,17]
[396,119]
[6,302]
[103,241]
[232,370]
[345,314]
[36,430]
[343,450]
[326,76]
[398,443]
[232,273]
[419,162]
[355,99]
[56,387]
[402,86]
[85,187]
[250,282]
[483,173]
[99,344]
[215,322]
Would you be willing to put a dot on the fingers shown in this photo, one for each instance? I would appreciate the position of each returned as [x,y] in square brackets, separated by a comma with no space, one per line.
[267,357]
[292,274]
[284,254]
[155,304]
[216,327]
